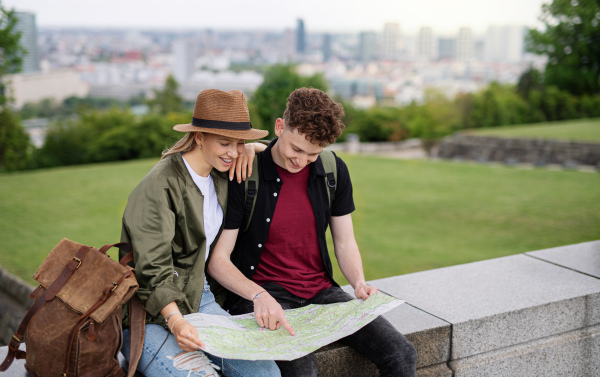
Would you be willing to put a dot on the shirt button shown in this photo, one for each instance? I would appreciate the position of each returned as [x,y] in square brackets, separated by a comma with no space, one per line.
[252,267]
[259,245]
[274,194]
[268,220]
[278,180]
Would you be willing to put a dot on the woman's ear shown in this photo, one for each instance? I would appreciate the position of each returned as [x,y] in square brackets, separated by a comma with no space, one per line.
[198,139]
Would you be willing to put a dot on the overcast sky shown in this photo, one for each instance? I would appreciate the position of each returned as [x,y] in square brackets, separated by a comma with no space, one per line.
[445,16]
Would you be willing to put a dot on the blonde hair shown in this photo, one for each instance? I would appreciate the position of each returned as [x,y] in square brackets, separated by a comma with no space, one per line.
[185,144]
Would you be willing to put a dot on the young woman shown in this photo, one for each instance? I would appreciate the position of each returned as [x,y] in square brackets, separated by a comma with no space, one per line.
[172,219]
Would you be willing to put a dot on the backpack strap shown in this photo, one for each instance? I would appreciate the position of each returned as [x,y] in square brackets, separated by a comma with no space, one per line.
[330,166]
[251,189]
[137,330]
[137,314]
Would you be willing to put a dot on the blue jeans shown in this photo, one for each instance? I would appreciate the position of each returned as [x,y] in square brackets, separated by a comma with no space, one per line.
[160,345]
[379,341]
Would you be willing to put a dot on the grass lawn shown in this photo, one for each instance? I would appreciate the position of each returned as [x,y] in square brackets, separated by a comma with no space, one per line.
[410,215]
[576,130]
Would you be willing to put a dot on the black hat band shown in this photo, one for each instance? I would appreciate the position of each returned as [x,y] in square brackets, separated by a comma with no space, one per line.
[219,124]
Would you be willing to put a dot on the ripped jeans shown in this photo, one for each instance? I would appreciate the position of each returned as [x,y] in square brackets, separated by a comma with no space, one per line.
[160,347]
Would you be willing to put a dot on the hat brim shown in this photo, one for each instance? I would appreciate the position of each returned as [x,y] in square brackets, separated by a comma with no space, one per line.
[251,134]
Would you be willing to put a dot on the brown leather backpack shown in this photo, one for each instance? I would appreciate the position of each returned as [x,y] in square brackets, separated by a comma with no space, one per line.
[74,327]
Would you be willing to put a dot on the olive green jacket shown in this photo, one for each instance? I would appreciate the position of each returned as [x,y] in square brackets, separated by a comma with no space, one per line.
[164,222]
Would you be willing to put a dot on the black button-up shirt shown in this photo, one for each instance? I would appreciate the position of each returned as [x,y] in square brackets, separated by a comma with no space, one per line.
[250,243]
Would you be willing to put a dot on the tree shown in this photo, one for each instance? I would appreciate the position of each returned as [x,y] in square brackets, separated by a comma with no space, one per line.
[14,141]
[531,79]
[11,51]
[168,99]
[269,100]
[572,43]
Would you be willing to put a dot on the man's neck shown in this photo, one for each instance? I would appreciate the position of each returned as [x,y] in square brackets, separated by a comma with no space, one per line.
[277,157]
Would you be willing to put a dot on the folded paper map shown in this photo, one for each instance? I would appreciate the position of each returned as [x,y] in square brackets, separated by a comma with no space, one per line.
[240,337]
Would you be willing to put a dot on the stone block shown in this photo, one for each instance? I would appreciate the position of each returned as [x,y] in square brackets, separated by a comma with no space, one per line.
[501,302]
[582,257]
[17,368]
[574,353]
[428,334]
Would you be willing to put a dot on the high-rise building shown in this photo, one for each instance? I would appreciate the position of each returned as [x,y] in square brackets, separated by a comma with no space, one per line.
[446,48]
[289,44]
[390,47]
[465,44]
[426,44]
[184,56]
[504,43]
[326,48]
[27,26]
[300,37]
[367,47]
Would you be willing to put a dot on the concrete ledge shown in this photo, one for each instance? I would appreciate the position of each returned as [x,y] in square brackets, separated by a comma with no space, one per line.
[530,314]
[583,257]
[501,302]
[574,353]
[429,335]
[14,304]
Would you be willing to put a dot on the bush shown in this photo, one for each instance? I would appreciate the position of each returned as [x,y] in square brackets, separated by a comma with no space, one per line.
[14,142]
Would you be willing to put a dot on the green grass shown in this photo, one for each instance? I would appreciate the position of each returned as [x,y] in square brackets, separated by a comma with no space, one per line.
[82,203]
[575,130]
[410,215]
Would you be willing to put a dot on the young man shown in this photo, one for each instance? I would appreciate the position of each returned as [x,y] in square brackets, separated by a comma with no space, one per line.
[281,260]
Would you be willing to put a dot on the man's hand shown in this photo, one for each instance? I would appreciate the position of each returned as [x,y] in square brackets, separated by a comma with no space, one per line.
[362,290]
[269,314]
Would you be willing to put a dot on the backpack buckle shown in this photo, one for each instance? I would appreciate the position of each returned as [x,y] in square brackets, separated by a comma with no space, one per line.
[78,262]
[330,180]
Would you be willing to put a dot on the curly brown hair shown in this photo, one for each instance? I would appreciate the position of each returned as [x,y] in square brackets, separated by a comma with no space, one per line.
[315,115]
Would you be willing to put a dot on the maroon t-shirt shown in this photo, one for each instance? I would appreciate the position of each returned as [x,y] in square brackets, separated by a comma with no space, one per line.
[291,255]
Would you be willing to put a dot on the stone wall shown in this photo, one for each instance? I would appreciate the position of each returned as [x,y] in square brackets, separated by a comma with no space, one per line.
[14,304]
[533,151]
[530,314]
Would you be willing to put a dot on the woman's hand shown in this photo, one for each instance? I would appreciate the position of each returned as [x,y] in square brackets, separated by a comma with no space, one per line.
[186,335]
[242,168]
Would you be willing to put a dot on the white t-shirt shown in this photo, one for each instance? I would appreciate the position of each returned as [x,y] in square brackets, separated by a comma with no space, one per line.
[213,213]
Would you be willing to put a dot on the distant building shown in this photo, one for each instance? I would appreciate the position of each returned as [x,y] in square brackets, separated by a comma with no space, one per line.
[300,37]
[390,48]
[367,46]
[504,43]
[465,44]
[446,48]
[34,87]
[326,47]
[184,56]
[426,44]
[27,26]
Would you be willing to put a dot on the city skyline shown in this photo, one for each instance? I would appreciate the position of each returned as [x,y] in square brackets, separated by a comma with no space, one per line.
[445,18]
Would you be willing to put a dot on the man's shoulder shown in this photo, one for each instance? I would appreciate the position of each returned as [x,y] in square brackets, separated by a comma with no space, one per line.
[342,168]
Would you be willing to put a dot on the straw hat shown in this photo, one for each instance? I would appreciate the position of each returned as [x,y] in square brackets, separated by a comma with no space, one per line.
[222,113]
